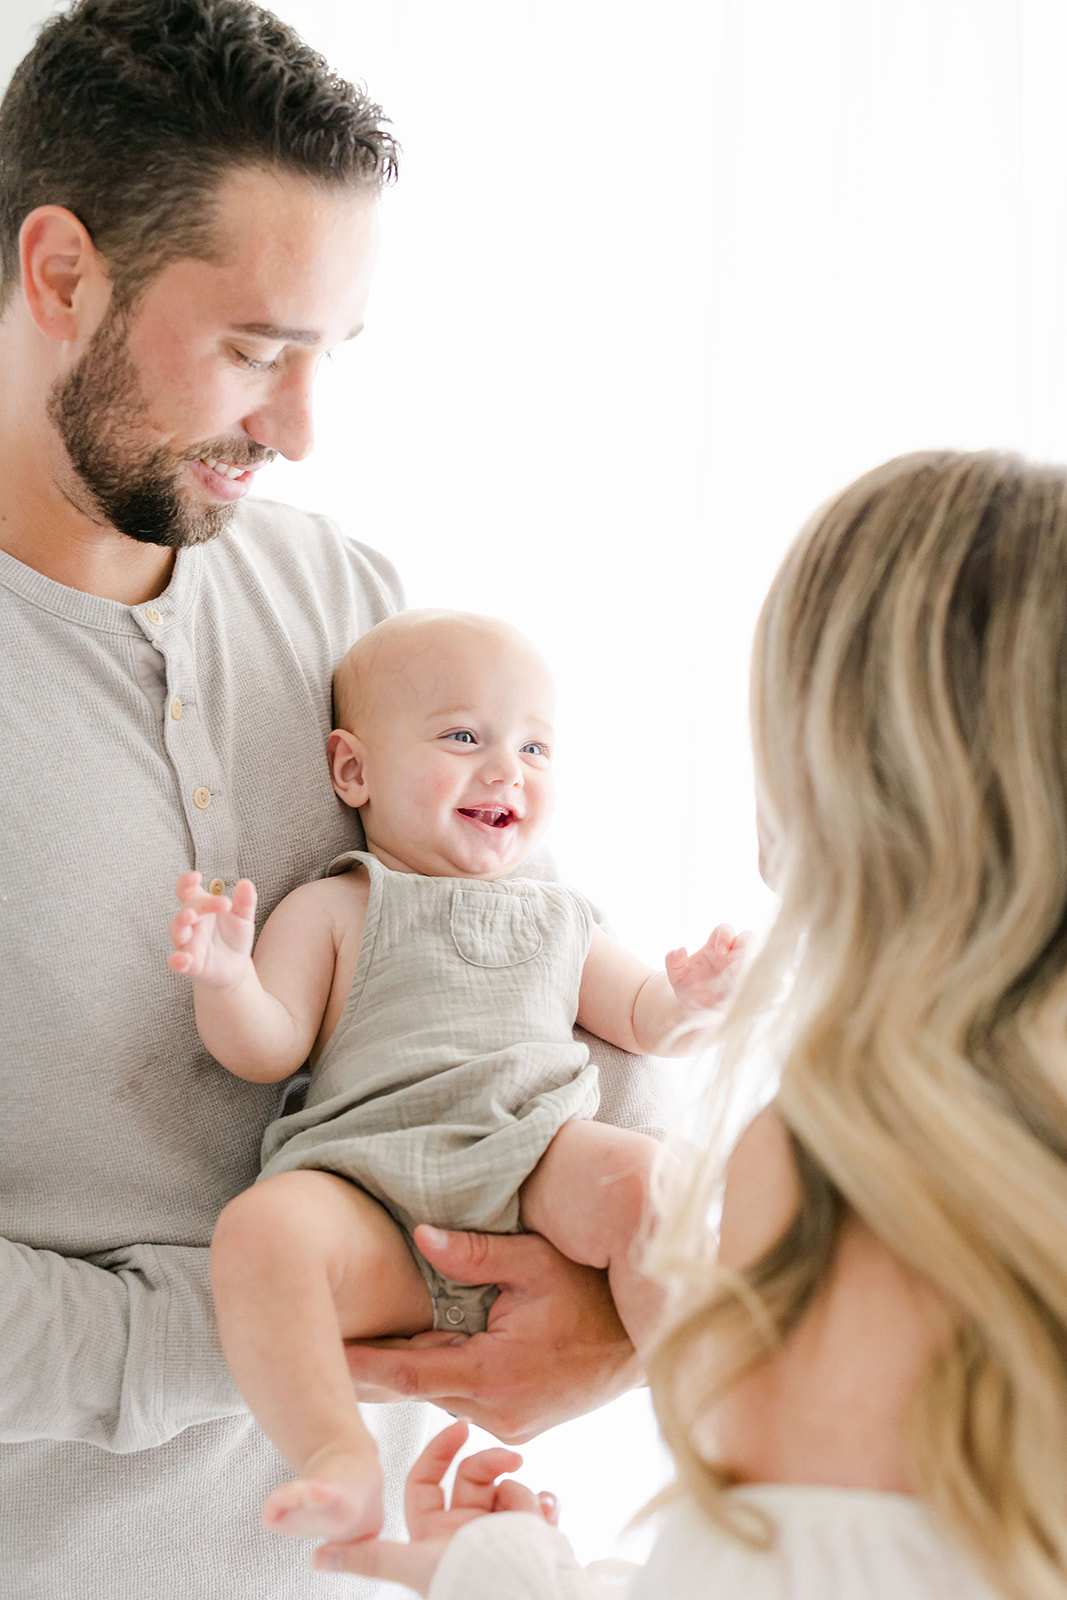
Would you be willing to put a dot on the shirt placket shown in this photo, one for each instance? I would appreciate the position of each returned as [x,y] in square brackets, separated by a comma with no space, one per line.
[198,775]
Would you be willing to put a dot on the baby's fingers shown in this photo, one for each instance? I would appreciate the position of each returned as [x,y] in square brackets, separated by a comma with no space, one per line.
[244,898]
[179,961]
[676,962]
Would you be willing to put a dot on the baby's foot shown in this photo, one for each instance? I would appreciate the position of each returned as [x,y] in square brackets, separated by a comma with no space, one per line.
[316,1508]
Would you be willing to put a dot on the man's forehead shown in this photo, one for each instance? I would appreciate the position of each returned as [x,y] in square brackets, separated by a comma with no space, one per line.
[291,262]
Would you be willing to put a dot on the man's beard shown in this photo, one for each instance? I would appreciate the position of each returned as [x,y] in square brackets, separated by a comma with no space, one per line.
[99,411]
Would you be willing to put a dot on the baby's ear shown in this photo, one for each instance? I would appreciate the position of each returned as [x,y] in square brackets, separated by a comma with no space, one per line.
[346,767]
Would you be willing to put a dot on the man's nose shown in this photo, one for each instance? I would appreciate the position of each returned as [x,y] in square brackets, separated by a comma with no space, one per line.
[285,419]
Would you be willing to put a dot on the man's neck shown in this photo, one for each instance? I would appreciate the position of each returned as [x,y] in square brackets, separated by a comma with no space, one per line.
[100,562]
[44,530]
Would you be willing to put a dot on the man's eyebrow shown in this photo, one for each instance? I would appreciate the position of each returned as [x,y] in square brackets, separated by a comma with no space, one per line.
[279,335]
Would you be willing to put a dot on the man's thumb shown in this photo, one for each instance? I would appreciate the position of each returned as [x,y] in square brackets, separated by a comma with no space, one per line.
[464,1257]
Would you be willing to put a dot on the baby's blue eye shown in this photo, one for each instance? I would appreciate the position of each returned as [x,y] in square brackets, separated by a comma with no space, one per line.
[463,736]
[533,749]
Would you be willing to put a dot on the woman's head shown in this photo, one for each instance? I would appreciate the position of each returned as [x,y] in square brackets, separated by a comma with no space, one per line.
[909,708]
[910,714]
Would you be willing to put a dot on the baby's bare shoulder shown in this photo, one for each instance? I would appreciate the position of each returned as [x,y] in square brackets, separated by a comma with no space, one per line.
[335,901]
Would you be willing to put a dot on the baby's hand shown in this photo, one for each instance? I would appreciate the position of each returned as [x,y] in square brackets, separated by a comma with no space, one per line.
[212,934]
[703,981]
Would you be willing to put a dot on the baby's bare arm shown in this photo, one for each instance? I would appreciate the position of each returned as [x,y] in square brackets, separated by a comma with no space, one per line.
[260,1016]
[655,1013]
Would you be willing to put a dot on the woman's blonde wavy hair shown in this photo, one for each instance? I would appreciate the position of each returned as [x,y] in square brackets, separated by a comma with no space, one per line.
[909,712]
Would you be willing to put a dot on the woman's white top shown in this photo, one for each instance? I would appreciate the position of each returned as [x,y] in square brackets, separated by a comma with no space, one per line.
[831,1544]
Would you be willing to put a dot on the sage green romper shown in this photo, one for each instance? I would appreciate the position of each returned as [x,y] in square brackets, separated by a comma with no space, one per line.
[453,1063]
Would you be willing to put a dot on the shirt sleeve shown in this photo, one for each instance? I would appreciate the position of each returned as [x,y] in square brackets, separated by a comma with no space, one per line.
[119,1350]
[515,1556]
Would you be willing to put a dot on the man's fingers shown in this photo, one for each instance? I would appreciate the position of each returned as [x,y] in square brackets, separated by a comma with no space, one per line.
[503,1258]
[446,1375]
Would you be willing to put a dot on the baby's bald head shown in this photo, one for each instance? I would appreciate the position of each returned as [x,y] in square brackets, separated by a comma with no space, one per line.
[405,655]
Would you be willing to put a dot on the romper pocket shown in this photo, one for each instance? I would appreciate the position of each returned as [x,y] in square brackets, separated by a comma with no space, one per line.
[493,930]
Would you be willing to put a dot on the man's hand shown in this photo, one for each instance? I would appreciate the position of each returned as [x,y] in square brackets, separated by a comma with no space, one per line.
[554,1347]
[431,1520]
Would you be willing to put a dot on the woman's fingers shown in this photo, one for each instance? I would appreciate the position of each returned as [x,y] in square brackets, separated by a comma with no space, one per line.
[476,1476]
[424,1495]
[514,1496]
[407,1564]
[549,1504]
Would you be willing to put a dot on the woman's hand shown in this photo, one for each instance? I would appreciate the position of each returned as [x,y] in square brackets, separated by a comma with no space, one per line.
[431,1522]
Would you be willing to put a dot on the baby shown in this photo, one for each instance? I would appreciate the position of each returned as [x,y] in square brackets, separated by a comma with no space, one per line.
[436,1003]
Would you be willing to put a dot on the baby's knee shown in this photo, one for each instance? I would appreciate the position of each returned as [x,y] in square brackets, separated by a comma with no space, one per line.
[263,1219]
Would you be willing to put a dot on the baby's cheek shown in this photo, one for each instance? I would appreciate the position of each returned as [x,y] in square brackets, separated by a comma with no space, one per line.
[443,787]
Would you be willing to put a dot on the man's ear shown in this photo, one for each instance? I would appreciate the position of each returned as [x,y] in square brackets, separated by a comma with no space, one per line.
[63,281]
[346,767]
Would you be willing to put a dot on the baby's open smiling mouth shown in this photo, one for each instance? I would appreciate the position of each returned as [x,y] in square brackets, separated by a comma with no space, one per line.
[489,816]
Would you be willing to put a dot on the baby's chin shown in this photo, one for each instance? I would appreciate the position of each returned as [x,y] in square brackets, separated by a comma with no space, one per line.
[482,863]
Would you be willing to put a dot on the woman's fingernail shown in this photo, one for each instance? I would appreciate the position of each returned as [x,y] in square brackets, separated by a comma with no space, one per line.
[327,1560]
[436,1238]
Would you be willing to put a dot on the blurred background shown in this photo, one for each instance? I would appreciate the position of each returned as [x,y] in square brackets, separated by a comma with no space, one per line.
[656,280]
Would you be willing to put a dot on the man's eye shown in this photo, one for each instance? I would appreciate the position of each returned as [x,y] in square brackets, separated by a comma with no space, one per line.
[462,736]
[253,366]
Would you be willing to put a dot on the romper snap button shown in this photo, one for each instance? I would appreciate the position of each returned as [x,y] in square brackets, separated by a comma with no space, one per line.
[454,1315]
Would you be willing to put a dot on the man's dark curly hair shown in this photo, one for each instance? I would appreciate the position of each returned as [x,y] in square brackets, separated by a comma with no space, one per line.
[130,112]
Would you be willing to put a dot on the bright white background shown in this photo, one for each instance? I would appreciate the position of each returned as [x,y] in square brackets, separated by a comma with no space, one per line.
[656,279]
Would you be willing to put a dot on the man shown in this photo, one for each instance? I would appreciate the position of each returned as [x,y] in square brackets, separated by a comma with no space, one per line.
[187,223]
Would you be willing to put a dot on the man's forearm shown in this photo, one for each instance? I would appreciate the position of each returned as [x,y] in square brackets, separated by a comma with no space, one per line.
[120,1351]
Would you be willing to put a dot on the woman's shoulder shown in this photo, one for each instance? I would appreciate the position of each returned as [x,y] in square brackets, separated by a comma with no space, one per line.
[762,1191]
[831,1405]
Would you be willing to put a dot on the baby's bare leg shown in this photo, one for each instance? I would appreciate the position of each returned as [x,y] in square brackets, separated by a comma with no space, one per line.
[299,1263]
[591,1196]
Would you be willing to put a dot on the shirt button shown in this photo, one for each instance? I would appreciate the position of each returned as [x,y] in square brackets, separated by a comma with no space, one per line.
[454,1315]
[176,709]
[216,886]
[153,615]
[201,799]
